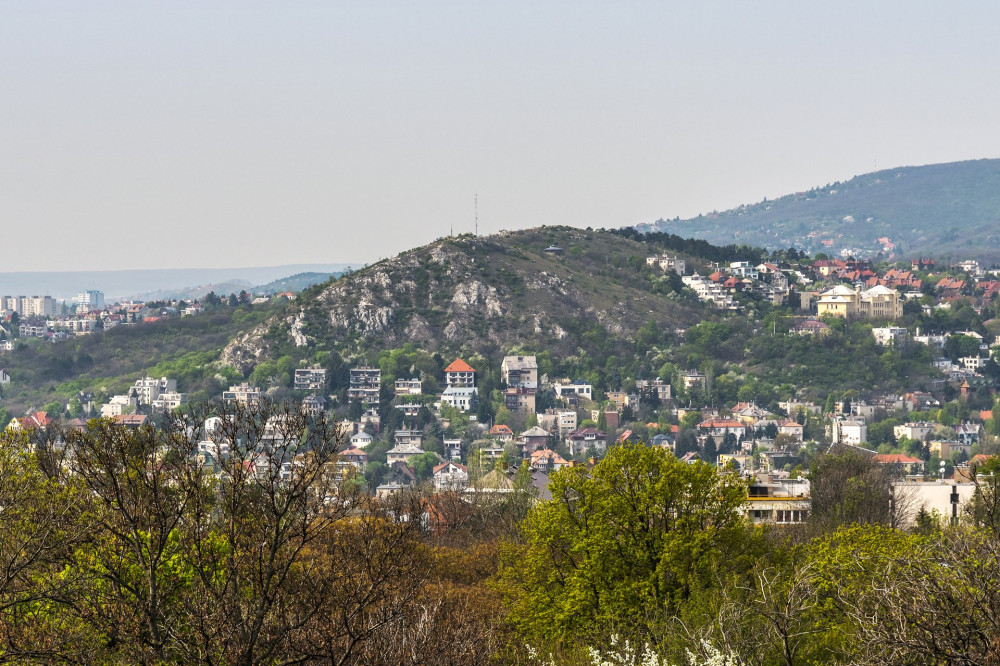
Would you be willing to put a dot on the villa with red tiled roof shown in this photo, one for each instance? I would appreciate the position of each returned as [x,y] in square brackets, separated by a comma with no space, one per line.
[35,420]
[909,464]
[502,432]
[459,374]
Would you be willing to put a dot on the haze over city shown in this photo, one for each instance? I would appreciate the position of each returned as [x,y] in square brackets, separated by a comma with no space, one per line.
[184,135]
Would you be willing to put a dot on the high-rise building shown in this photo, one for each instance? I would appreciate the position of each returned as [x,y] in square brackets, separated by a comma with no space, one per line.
[29,306]
[89,300]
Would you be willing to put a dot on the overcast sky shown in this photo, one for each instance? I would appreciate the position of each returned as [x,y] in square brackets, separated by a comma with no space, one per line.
[192,134]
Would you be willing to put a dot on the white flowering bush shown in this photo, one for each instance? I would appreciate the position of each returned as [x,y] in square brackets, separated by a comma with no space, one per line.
[626,654]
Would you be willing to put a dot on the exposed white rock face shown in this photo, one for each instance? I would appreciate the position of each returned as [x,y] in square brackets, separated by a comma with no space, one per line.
[296,333]
[244,350]
[476,296]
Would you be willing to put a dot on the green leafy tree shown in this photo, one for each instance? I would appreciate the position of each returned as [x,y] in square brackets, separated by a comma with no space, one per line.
[621,545]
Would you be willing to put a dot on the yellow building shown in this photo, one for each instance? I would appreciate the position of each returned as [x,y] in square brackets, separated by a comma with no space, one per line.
[879,302]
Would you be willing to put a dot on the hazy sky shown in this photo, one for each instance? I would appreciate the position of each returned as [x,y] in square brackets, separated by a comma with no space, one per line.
[193,134]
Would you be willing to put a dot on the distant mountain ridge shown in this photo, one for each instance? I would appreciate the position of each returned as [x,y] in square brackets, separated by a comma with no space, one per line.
[950,211]
[134,284]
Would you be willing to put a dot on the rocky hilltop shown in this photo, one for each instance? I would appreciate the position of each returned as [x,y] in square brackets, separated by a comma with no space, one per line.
[549,287]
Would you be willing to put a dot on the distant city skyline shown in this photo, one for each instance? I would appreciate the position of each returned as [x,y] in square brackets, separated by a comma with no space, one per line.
[185,134]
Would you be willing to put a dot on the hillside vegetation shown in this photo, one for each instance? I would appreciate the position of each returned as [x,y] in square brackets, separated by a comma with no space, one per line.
[944,210]
[106,363]
[481,295]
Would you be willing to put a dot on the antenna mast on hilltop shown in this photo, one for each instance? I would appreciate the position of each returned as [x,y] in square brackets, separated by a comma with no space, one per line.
[476,205]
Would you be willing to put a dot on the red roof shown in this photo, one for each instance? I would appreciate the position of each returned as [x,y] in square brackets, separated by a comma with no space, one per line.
[895,458]
[458,365]
[501,429]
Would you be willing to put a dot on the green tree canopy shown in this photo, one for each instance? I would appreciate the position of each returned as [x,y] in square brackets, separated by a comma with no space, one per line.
[621,545]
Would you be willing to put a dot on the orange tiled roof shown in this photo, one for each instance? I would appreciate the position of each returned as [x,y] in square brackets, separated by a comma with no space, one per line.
[458,365]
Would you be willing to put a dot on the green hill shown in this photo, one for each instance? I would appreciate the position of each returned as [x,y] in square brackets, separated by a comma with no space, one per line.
[466,294]
[950,211]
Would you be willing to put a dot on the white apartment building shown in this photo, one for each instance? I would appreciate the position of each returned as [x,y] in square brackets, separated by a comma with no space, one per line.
[710,292]
[460,397]
[243,394]
[666,263]
[886,334]
[91,299]
[29,306]
[149,389]
[76,326]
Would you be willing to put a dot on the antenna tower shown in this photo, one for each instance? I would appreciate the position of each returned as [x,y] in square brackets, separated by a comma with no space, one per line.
[477,213]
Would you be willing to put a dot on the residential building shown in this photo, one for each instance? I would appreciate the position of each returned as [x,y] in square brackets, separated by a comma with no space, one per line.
[310,379]
[353,457]
[561,421]
[365,385]
[460,397]
[848,431]
[88,300]
[887,335]
[620,399]
[790,428]
[501,433]
[582,440]
[945,450]
[119,404]
[409,436]
[578,389]
[520,372]
[459,374]
[719,428]
[31,421]
[243,394]
[402,453]
[168,401]
[661,387]
[547,461]
[77,326]
[361,439]
[450,475]
[453,448]
[710,292]
[744,269]
[520,400]
[879,302]
[692,378]
[409,410]
[973,362]
[29,306]
[908,465]
[667,262]
[773,500]
[406,387]
[314,404]
[968,433]
[532,439]
[913,430]
[149,389]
